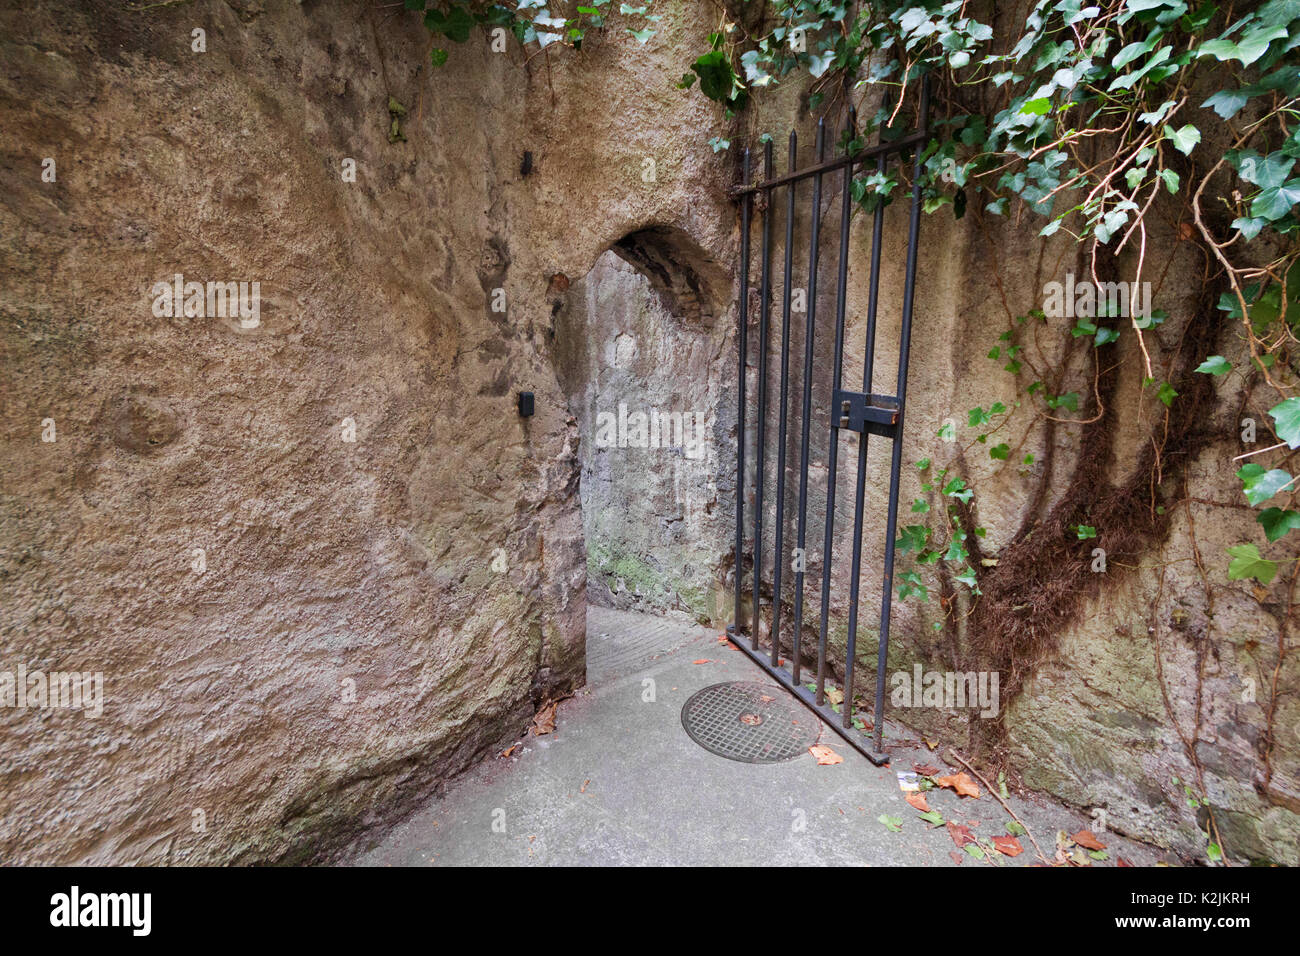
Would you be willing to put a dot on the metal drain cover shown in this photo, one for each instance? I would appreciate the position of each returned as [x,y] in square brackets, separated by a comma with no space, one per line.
[749,722]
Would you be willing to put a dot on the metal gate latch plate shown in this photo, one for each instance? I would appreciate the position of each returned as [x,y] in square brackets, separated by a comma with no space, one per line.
[859,412]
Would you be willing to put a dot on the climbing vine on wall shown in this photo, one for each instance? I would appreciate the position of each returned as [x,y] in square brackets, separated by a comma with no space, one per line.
[535,24]
[1023,109]
[1020,110]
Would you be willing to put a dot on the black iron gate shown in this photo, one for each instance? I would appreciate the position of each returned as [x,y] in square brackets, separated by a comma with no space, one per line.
[865,412]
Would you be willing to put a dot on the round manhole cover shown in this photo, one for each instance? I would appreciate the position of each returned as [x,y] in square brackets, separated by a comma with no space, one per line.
[753,723]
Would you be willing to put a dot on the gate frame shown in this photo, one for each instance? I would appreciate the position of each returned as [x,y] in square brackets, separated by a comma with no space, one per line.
[865,412]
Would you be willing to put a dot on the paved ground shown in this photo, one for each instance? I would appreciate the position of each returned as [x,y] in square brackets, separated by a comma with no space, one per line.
[620,782]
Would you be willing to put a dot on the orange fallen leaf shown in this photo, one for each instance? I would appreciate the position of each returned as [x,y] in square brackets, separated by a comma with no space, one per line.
[544,722]
[1120,861]
[960,834]
[917,800]
[765,698]
[824,754]
[509,750]
[924,769]
[1088,840]
[961,782]
[702,660]
[1008,845]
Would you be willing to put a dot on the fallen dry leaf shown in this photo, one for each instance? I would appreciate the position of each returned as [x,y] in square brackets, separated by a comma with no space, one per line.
[702,660]
[766,699]
[957,857]
[917,800]
[960,834]
[544,722]
[961,782]
[931,744]
[924,769]
[824,754]
[1008,845]
[1086,839]
[509,750]
[583,788]
[1120,861]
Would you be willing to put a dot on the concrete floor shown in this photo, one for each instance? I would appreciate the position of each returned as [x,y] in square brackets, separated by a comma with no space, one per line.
[620,782]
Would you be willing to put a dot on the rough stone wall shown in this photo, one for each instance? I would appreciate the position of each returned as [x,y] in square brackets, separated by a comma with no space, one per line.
[375,614]
[652,518]
[436,566]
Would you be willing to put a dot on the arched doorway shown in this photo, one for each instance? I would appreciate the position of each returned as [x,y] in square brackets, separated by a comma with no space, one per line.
[642,357]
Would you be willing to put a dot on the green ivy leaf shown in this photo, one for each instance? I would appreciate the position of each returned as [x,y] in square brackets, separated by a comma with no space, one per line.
[914,538]
[1184,139]
[1277,522]
[1286,415]
[957,489]
[1215,365]
[1260,485]
[718,81]
[1247,563]
[1276,201]
[1261,171]
[455,24]
[1228,103]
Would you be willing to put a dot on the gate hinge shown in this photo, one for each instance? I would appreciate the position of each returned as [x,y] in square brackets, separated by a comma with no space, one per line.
[875,414]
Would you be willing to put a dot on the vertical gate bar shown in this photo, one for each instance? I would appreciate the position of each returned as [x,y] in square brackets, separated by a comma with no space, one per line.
[832,463]
[909,283]
[742,347]
[762,421]
[860,487]
[807,386]
[785,312]
[777,563]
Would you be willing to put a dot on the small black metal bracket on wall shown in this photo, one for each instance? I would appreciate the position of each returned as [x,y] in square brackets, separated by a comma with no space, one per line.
[864,412]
